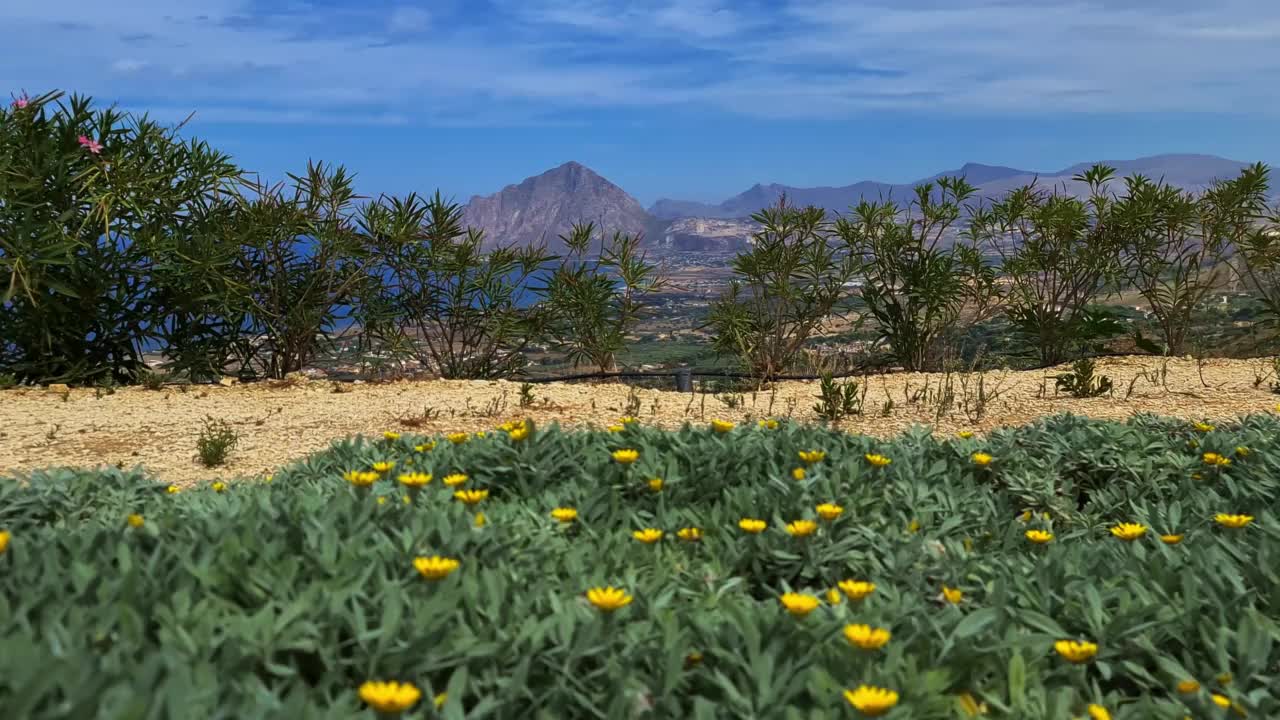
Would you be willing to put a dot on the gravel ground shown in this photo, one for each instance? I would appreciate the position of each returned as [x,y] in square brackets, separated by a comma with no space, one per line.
[280,422]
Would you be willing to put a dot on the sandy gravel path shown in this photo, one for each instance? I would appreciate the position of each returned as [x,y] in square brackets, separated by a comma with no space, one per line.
[278,423]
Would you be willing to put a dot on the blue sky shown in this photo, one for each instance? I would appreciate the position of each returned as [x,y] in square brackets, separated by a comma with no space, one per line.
[692,99]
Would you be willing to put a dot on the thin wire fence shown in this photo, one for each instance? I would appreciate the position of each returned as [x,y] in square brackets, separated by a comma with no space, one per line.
[683,377]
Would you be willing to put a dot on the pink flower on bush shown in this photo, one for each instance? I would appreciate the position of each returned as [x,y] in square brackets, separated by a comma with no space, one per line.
[92,146]
[19,103]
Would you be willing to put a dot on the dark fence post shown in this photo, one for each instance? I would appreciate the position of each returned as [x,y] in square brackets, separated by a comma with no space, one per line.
[684,379]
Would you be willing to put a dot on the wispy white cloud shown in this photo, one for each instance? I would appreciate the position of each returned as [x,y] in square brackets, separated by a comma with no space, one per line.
[127,65]
[486,60]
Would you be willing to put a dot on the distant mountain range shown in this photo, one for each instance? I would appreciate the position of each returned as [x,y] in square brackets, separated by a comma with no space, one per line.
[546,206]
[1192,172]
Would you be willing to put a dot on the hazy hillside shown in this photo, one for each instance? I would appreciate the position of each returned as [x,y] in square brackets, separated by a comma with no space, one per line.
[1192,172]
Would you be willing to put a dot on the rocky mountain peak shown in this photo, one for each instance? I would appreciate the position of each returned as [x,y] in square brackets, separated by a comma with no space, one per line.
[546,206]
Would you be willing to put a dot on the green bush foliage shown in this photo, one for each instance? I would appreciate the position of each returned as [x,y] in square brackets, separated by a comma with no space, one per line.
[1258,264]
[435,292]
[1083,381]
[1175,243]
[782,289]
[280,597]
[299,262]
[91,201]
[595,299]
[917,288]
[839,400]
[1059,253]
[217,440]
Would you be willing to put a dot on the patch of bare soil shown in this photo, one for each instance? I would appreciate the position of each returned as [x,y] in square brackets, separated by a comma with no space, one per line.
[278,423]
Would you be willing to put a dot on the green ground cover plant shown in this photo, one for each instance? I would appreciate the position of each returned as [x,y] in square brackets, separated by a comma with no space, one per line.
[1070,568]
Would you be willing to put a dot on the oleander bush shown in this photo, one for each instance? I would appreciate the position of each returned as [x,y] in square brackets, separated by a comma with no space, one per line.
[791,279]
[104,239]
[598,293]
[1058,253]
[281,597]
[917,288]
[436,293]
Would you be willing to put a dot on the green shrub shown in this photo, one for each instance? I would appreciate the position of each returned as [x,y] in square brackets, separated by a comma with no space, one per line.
[916,288]
[434,289]
[790,281]
[279,599]
[527,396]
[299,261]
[217,440]
[1258,263]
[1175,242]
[1083,381]
[594,303]
[90,201]
[1059,255]
[837,401]
[153,380]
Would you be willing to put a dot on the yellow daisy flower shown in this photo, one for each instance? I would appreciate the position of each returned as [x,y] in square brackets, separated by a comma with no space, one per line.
[1076,651]
[471,497]
[801,528]
[1039,537]
[1234,522]
[414,480]
[809,457]
[866,637]
[871,701]
[829,511]
[648,536]
[1129,531]
[799,604]
[856,589]
[608,599]
[435,567]
[389,697]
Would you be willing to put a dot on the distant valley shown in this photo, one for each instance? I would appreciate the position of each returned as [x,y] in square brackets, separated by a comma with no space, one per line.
[545,206]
